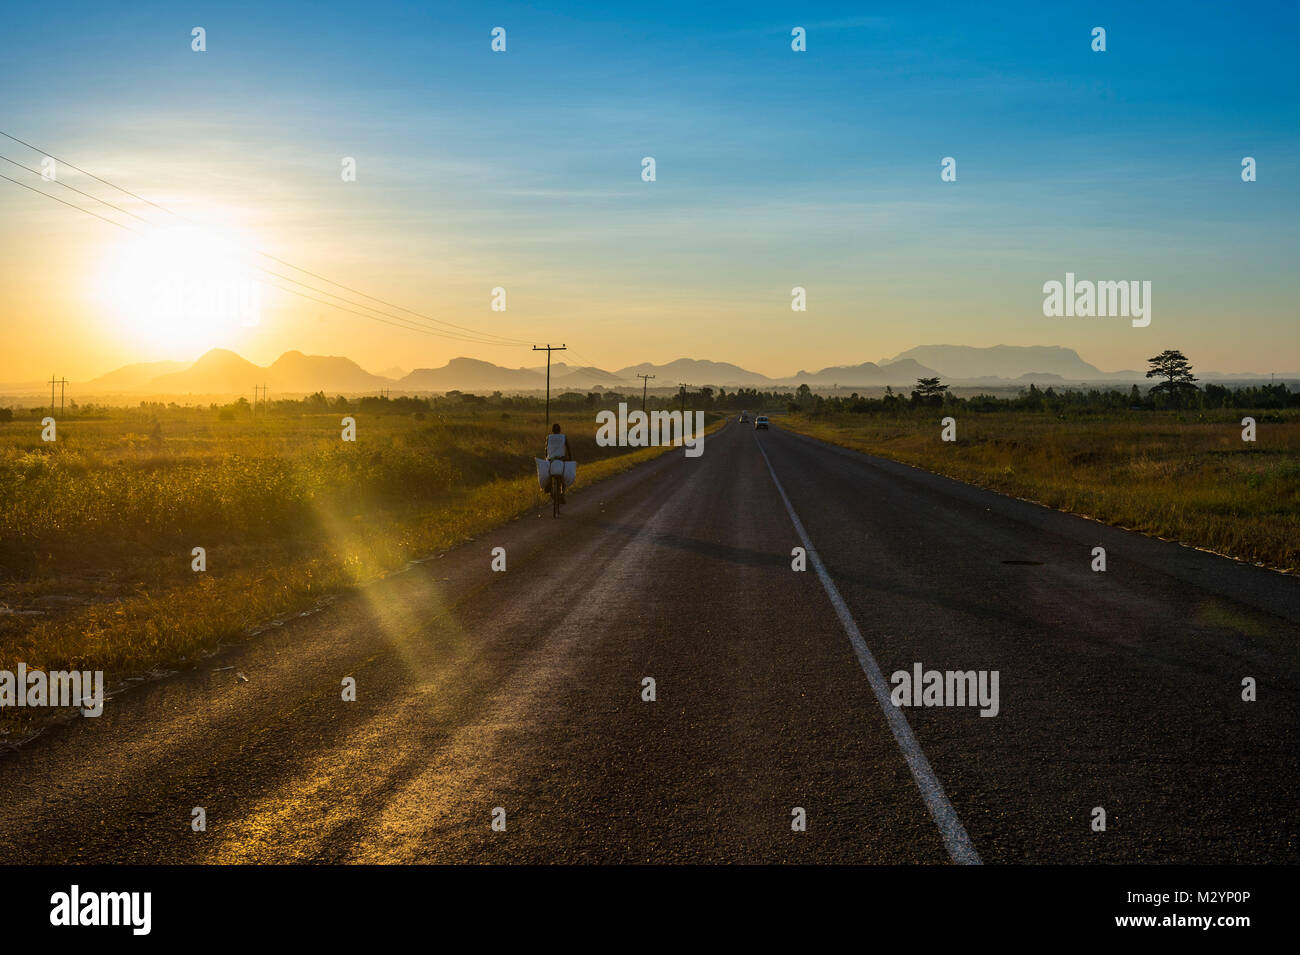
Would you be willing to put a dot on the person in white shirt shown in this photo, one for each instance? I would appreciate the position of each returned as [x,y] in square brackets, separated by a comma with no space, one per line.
[557,449]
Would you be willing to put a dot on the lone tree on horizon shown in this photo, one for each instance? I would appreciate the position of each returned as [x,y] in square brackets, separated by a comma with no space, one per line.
[1173,366]
[930,387]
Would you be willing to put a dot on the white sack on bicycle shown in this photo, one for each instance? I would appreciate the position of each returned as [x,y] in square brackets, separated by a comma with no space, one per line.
[570,472]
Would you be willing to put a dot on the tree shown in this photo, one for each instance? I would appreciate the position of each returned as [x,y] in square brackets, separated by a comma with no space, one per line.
[1173,366]
[930,387]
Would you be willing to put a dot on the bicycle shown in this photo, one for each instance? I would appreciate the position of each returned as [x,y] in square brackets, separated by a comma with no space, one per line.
[554,491]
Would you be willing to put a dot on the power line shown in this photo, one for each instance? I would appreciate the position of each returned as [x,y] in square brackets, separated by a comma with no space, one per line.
[503,340]
[464,334]
[452,336]
[479,338]
[66,203]
[586,362]
[82,171]
[60,182]
[483,338]
[396,321]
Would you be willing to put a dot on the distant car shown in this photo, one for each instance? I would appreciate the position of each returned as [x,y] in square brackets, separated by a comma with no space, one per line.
[760,422]
[744,417]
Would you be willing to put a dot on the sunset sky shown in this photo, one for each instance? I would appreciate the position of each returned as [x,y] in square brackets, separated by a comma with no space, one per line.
[775,169]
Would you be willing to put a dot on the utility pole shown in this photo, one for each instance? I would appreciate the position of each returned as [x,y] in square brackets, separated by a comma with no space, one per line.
[682,385]
[255,397]
[60,382]
[645,383]
[548,349]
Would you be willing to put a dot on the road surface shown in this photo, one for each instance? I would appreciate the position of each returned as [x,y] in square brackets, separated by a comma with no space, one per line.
[523,690]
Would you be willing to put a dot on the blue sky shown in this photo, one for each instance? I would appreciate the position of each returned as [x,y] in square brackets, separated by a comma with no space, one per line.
[775,169]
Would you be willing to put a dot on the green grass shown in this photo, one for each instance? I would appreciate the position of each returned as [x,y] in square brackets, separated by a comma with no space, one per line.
[96,530]
[1188,477]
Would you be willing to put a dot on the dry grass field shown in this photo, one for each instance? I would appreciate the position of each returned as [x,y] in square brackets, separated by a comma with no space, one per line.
[1187,477]
[97,529]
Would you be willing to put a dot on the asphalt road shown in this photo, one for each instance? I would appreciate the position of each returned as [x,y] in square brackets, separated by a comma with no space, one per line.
[523,690]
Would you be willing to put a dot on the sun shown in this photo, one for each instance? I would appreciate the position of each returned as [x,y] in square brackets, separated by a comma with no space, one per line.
[180,288]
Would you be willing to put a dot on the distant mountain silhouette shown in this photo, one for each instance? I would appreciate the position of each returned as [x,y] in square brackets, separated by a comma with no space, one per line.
[964,362]
[130,377]
[694,371]
[903,372]
[293,372]
[574,378]
[470,374]
[222,372]
[217,372]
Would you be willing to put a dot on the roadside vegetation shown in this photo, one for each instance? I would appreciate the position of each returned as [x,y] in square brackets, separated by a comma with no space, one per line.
[1170,462]
[97,529]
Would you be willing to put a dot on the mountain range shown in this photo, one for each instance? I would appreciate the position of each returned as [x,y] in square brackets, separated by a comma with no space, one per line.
[222,372]
[1007,362]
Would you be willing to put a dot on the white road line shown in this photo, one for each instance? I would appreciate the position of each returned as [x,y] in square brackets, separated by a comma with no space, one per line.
[960,849]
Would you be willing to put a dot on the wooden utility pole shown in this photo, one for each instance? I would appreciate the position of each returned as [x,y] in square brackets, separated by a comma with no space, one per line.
[645,383]
[548,349]
[60,382]
[682,385]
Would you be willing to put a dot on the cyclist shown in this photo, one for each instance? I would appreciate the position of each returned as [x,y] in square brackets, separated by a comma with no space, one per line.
[557,449]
